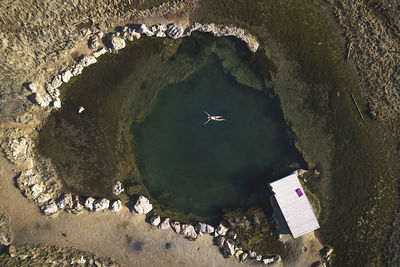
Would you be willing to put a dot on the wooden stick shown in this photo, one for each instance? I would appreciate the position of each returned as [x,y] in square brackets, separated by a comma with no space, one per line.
[358,109]
[348,51]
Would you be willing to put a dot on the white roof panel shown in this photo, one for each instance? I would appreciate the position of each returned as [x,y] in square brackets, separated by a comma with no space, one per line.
[296,209]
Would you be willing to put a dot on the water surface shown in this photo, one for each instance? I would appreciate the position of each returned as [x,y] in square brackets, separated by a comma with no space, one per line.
[202,169]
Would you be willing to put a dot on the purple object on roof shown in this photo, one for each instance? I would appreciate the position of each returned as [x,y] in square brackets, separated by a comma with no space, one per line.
[299,192]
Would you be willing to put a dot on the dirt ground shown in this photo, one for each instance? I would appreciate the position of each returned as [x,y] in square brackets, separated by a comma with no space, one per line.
[125,237]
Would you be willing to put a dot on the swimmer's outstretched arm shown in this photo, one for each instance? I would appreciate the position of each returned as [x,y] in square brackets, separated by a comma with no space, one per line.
[207,121]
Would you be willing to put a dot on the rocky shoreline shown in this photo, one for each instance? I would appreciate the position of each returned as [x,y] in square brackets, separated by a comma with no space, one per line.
[37,180]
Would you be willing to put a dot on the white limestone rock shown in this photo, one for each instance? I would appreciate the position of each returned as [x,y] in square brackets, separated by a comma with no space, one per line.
[204,228]
[155,220]
[238,253]
[268,260]
[89,203]
[50,208]
[176,226]
[32,87]
[43,198]
[36,189]
[221,230]
[56,81]
[4,240]
[174,30]
[117,43]
[66,75]
[243,256]
[142,29]
[77,70]
[56,103]
[252,254]
[117,188]
[164,224]
[229,248]
[101,204]
[116,206]
[159,30]
[87,60]
[99,52]
[18,147]
[81,109]
[219,241]
[143,205]
[41,101]
[258,258]
[188,231]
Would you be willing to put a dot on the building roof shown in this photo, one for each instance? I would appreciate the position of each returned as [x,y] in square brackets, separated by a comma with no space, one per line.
[294,205]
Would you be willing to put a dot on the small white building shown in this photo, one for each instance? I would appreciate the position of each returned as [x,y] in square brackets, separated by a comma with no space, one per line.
[293,202]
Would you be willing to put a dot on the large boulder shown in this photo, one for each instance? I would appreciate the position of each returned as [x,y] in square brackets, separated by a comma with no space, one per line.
[176,226]
[219,241]
[188,231]
[87,60]
[101,204]
[36,189]
[99,52]
[4,240]
[155,220]
[50,208]
[89,203]
[32,87]
[77,70]
[229,248]
[204,228]
[164,224]
[143,205]
[142,29]
[117,188]
[174,30]
[66,75]
[116,206]
[221,230]
[117,43]
[56,81]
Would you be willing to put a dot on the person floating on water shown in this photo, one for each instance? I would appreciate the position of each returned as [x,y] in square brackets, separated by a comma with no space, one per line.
[213,118]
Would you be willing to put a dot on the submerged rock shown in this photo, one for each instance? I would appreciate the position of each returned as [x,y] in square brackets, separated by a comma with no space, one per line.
[117,188]
[143,205]
[164,224]
[204,228]
[188,231]
[174,30]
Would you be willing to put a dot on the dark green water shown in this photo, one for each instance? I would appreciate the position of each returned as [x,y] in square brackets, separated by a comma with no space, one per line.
[202,169]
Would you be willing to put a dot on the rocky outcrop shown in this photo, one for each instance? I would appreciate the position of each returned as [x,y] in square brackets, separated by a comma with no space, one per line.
[188,231]
[239,33]
[174,30]
[143,205]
